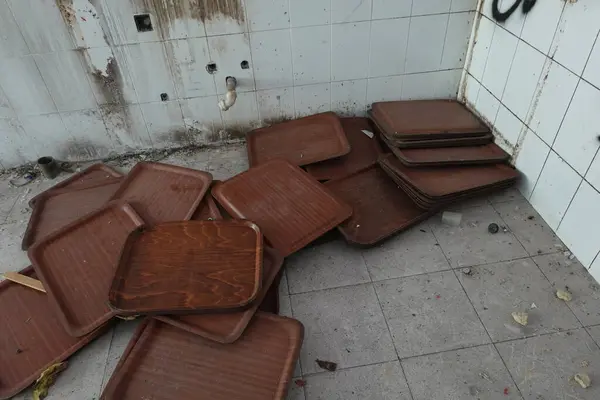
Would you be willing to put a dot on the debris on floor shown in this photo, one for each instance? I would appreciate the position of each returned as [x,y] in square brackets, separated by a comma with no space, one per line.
[520,317]
[583,380]
[327,365]
[493,228]
[564,295]
[47,379]
[201,260]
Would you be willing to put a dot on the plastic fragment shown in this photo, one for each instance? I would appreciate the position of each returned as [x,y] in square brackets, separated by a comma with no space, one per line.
[328,365]
[451,218]
[467,271]
[564,295]
[520,317]
[300,382]
[583,379]
[493,228]
[47,379]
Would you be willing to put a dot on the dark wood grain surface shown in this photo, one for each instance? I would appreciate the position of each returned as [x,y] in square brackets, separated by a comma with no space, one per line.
[58,208]
[468,155]
[291,208]
[228,327]
[163,362]
[301,141]
[364,152]
[77,263]
[163,193]
[191,266]
[32,337]
[386,210]
[90,176]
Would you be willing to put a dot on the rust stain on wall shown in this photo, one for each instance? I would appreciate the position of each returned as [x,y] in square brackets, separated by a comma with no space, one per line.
[166,12]
[67,11]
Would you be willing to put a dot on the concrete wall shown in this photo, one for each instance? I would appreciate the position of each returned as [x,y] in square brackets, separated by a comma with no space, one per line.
[536,78]
[78,81]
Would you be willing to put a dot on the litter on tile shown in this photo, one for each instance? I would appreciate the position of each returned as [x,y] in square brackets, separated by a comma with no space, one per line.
[168,244]
[583,380]
[520,317]
[564,295]
[47,379]
[327,365]
[493,228]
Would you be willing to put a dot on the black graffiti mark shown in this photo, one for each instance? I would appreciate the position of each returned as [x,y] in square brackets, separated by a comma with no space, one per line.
[503,16]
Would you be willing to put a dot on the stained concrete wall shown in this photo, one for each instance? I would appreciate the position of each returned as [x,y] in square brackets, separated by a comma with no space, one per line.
[79,81]
[536,79]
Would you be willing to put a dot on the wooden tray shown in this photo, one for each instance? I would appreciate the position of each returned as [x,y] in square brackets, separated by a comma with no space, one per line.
[380,207]
[207,210]
[32,337]
[364,153]
[302,141]
[291,208]
[76,264]
[189,267]
[479,140]
[426,119]
[58,208]
[437,157]
[163,362]
[162,192]
[228,327]
[90,176]
[448,182]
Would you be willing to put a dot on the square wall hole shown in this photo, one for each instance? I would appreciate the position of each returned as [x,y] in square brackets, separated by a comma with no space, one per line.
[143,22]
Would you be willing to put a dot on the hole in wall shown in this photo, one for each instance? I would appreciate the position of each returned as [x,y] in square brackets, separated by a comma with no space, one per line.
[245,64]
[164,96]
[143,22]
[211,68]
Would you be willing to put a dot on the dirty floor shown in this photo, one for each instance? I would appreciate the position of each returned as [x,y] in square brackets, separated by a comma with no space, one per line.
[424,316]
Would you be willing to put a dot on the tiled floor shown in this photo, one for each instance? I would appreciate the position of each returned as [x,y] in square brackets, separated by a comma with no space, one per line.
[425,316]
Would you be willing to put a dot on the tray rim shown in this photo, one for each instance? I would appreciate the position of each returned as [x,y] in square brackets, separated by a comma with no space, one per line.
[123,266]
[57,305]
[61,185]
[417,134]
[206,178]
[330,115]
[292,247]
[144,333]
[82,342]
[399,153]
[42,198]
[244,321]
[327,176]
[349,238]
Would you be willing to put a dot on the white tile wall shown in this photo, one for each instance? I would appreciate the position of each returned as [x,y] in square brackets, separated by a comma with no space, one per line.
[304,56]
[544,70]
[577,229]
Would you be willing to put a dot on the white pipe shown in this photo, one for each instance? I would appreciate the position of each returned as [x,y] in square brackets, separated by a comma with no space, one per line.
[231,95]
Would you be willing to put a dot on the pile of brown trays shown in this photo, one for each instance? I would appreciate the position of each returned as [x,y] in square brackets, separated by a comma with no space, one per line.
[201,260]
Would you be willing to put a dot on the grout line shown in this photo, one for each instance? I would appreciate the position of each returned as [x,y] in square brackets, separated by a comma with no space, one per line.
[393,342]
[250,41]
[291,56]
[112,338]
[594,260]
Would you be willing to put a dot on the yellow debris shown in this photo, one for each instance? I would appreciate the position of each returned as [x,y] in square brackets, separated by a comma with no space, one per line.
[564,295]
[46,380]
[583,379]
[520,317]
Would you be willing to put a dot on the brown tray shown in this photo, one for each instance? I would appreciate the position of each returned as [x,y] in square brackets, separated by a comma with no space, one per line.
[364,153]
[76,264]
[189,267]
[163,362]
[57,208]
[207,210]
[32,338]
[227,328]
[302,141]
[448,182]
[381,209]
[437,157]
[291,208]
[163,193]
[426,119]
[90,176]
[480,140]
